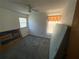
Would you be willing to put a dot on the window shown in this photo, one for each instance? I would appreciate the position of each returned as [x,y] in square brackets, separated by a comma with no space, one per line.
[52,20]
[23,22]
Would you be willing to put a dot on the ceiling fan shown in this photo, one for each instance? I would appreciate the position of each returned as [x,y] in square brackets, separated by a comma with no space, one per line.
[31,9]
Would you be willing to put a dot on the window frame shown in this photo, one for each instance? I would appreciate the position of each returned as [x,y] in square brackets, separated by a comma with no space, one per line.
[26,22]
[53,21]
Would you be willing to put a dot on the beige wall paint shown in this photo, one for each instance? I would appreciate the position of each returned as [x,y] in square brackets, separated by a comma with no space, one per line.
[0,25]
[9,20]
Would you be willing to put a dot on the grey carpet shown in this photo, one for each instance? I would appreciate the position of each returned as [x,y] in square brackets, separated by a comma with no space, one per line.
[31,47]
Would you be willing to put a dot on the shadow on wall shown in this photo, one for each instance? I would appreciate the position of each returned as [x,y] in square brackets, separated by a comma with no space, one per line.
[56,38]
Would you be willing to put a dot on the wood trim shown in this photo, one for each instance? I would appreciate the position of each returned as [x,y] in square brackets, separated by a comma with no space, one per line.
[8,39]
[73,49]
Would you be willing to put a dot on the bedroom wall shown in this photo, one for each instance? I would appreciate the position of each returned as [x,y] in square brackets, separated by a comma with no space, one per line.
[9,20]
[38,24]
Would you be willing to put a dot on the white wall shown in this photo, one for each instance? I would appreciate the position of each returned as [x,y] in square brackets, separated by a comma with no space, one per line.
[68,12]
[9,20]
[56,39]
[38,24]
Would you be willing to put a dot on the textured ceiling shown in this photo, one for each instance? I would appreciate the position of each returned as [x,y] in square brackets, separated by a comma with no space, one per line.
[44,5]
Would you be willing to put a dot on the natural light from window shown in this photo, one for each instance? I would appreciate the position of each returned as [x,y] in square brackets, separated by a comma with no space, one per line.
[23,22]
[52,20]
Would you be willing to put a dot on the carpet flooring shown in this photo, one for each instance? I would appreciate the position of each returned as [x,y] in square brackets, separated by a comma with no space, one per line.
[31,47]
